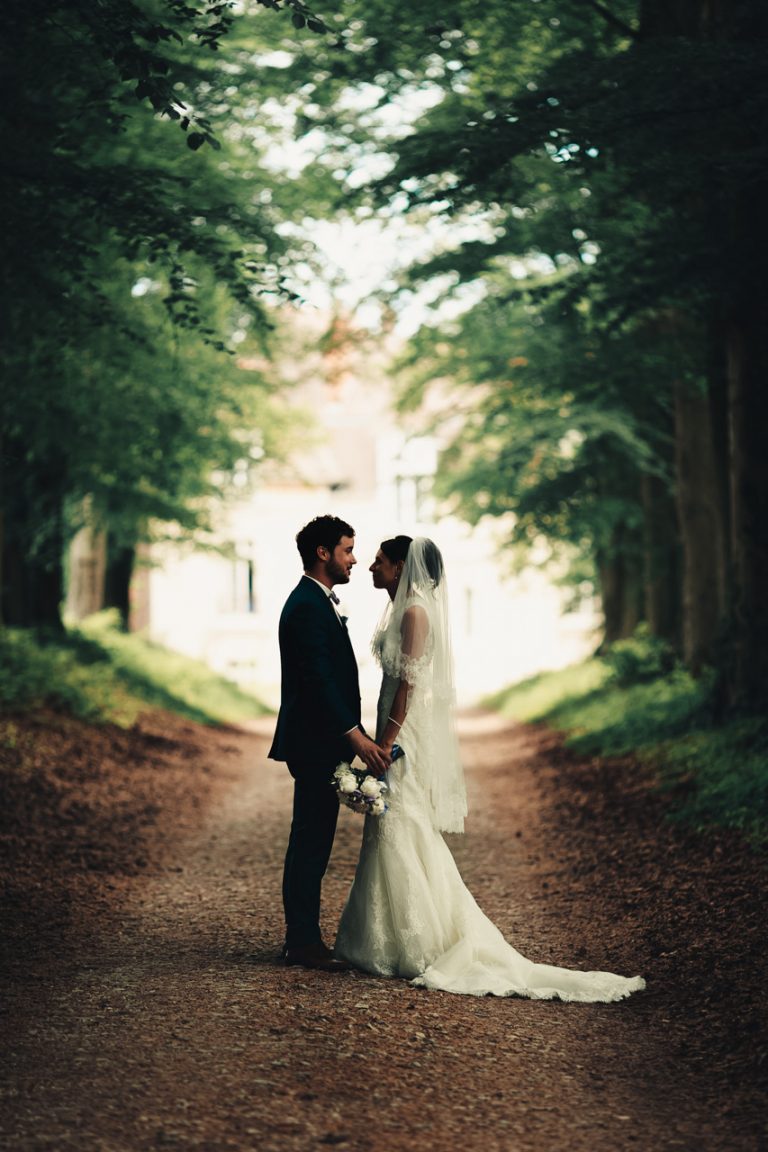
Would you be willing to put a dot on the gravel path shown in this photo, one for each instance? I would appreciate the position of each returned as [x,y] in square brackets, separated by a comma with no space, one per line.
[144,1008]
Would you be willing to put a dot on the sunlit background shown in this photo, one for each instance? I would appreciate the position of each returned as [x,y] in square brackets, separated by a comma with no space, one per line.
[224,609]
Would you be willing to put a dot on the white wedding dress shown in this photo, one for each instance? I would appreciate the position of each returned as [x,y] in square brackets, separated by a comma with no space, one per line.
[409,913]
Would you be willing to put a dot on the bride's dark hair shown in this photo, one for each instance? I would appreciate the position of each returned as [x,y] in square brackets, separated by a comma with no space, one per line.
[396,550]
[433,561]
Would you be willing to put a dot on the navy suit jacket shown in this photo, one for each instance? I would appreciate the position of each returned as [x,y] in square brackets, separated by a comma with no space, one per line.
[320,690]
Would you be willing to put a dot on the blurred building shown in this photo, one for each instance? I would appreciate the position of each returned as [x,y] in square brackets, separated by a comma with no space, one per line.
[223,608]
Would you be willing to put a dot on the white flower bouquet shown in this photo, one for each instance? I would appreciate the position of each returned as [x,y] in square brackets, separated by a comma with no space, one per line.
[359,790]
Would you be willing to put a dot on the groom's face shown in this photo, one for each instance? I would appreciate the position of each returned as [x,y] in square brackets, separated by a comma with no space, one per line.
[341,561]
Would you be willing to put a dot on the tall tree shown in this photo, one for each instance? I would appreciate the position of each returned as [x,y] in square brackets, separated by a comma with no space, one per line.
[102,201]
[624,143]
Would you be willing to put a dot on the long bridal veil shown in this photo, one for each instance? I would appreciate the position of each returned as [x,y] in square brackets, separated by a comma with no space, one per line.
[413,643]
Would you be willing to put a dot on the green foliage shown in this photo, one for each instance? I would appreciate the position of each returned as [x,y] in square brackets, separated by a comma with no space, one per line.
[715,773]
[593,176]
[133,269]
[100,673]
[36,670]
[558,422]
[552,256]
[640,658]
[536,697]
[619,721]
[720,776]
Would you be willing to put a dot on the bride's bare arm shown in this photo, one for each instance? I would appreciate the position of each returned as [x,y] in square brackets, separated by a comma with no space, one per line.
[413,631]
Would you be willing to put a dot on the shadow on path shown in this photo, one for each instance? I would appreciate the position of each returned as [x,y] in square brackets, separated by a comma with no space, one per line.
[156,1016]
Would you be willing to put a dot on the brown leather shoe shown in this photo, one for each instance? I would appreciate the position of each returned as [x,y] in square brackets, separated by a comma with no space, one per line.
[315,956]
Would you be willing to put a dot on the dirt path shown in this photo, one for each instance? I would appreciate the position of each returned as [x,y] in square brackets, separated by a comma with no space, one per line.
[148,1012]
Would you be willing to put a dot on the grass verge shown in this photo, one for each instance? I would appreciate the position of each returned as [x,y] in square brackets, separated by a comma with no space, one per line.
[637,702]
[99,673]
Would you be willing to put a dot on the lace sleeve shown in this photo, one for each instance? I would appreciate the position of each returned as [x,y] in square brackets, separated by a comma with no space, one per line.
[415,654]
[405,651]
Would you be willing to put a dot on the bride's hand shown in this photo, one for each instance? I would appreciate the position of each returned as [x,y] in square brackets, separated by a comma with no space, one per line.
[375,758]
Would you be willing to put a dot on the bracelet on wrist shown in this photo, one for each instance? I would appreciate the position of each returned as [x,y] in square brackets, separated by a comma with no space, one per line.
[396,722]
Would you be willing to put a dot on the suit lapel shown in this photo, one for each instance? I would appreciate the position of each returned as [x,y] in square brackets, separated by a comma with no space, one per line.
[342,620]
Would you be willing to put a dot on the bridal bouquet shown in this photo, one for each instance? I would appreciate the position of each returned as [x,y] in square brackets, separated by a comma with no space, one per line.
[359,790]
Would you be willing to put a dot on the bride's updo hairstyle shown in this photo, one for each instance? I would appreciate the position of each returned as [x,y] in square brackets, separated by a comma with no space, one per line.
[396,549]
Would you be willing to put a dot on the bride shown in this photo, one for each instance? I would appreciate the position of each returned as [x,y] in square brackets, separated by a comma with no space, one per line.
[408,913]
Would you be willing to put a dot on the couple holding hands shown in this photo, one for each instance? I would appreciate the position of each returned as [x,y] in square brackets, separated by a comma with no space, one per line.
[408,913]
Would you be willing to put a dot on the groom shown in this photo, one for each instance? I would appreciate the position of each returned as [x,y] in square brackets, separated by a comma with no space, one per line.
[318,725]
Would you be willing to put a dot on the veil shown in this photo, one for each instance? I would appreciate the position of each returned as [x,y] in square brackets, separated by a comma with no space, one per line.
[418,650]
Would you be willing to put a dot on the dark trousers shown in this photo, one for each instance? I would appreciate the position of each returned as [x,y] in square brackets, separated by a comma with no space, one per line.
[315,811]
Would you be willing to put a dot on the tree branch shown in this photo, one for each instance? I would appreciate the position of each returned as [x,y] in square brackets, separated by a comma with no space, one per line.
[614,21]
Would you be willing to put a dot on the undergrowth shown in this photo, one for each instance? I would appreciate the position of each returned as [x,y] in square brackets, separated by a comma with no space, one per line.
[97,672]
[636,700]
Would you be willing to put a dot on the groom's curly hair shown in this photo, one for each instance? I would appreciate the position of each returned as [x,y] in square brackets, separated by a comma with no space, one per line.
[322,532]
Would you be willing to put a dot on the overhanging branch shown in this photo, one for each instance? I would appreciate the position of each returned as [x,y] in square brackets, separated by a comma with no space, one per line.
[613,20]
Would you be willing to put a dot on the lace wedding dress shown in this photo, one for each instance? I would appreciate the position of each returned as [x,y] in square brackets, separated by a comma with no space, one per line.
[409,913]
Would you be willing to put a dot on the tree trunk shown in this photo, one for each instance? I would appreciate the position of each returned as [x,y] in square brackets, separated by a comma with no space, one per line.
[702,529]
[746,352]
[747,670]
[47,595]
[2,524]
[33,543]
[621,596]
[86,571]
[14,585]
[740,581]
[117,579]
[32,592]
[661,566]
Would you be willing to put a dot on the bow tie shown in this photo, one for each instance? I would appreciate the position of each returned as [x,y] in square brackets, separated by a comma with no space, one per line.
[332,596]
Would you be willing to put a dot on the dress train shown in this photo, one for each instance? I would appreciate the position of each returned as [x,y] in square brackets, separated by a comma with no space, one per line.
[409,913]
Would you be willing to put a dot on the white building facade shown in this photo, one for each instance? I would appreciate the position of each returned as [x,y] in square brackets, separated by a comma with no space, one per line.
[224,609]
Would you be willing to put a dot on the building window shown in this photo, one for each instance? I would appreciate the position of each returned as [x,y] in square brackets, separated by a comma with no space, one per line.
[414,498]
[241,593]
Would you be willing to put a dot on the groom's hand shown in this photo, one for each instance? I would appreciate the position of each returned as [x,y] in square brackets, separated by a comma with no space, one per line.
[375,759]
